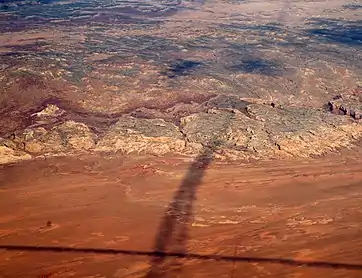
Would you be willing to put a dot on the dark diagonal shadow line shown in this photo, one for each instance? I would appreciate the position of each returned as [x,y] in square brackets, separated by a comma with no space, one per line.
[187,256]
[174,228]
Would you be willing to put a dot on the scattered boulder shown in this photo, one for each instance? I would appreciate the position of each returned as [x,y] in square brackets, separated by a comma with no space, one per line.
[347,104]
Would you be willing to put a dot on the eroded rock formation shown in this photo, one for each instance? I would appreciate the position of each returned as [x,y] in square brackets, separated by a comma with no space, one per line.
[234,128]
[348,104]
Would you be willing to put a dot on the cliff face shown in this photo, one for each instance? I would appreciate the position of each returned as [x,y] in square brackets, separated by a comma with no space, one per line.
[232,127]
[348,104]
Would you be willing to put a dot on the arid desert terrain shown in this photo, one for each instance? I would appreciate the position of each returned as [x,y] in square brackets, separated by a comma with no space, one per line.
[179,138]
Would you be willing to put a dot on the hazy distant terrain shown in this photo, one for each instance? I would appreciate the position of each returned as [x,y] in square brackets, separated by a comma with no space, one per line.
[99,61]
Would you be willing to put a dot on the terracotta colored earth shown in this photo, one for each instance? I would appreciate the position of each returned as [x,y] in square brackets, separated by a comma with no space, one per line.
[87,86]
[112,216]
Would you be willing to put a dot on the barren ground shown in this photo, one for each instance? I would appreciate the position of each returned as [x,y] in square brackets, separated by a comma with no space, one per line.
[265,219]
[180,138]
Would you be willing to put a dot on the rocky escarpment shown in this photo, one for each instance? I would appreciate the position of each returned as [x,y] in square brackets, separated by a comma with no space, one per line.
[234,128]
[348,104]
[137,135]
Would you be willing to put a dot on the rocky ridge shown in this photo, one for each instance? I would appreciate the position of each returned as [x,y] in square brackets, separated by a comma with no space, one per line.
[234,128]
[348,104]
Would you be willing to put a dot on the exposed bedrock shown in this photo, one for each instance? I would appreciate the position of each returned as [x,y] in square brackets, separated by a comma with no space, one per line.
[232,127]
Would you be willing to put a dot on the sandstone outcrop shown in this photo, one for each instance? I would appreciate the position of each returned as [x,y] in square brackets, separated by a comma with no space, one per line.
[348,104]
[138,135]
[9,152]
[66,137]
[228,126]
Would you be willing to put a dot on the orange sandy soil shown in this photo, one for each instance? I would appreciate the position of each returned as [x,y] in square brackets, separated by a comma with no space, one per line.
[302,211]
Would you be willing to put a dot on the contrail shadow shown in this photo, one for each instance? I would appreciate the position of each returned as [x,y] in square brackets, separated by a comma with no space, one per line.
[173,232]
[187,256]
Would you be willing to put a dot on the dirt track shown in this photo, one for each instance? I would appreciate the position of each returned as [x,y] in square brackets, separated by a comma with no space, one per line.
[297,211]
